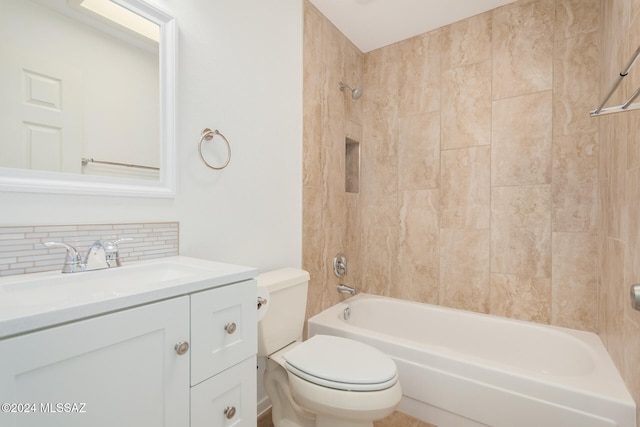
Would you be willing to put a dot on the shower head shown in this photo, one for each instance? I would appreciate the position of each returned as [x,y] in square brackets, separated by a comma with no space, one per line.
[356,92]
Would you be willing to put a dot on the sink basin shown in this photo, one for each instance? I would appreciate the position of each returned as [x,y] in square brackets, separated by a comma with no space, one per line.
[53,290]
[39,300]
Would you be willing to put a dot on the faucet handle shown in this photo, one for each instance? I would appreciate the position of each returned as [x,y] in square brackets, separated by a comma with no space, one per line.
[111,250]
[73,260]
[124,239]
[340,265]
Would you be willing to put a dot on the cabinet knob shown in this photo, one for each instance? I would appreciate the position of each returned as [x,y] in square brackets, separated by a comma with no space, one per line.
[230,327]
[230,412]
[182,347]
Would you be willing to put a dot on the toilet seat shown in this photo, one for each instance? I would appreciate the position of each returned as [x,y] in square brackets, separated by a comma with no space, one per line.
[341,364]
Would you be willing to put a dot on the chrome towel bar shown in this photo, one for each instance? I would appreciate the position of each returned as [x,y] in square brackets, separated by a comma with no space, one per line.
[628,105]
[88,160]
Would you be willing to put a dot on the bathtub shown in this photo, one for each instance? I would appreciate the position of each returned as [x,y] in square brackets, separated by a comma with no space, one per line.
[463,369]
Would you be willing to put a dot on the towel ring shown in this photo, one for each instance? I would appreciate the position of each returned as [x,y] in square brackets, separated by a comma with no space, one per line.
[208,134]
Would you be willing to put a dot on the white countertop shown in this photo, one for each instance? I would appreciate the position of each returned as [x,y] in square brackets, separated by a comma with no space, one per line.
[34,301]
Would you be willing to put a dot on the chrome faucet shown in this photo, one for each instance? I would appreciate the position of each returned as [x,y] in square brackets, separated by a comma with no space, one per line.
[101,254]
[344,289]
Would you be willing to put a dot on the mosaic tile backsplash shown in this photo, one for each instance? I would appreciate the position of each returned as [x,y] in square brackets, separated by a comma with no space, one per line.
[21,249]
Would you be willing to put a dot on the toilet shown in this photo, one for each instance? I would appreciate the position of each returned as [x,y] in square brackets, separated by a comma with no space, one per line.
[325,381]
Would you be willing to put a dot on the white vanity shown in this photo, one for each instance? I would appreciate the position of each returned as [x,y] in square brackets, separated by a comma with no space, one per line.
[165,342]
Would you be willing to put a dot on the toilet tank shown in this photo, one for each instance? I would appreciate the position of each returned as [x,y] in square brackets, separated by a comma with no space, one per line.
[283,320]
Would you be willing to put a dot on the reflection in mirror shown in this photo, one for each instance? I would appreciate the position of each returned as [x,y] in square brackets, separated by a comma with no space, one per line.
[88,93]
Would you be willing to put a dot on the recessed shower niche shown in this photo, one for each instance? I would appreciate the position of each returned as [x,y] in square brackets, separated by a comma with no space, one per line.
[352,166]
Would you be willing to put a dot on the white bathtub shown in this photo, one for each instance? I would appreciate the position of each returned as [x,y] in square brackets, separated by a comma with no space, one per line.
[463,369]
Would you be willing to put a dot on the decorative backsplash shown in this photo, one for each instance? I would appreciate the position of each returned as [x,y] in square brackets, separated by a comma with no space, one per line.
[21,249]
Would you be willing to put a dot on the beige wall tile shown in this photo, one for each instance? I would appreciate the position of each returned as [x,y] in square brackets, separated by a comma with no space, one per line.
[522,140]
[575,183]
[603,182]
[465,269]
[632,81]
[632,255]
[522,48]
[381,83]
[633,139]
[467,41]
[617,161]
[379,147]
[312,111]
[419,151]
[353,76]
[354,130]
[315,294]
[311,228]
[634,9]
[379,266]
[353,247]
[613,297]
[521,230]
[419,73]
[619,182]
[329,116]
[466,188]
[519,297]
[466,106]
[418,246]
[575,17]
[575,75]
[417,282]
[575,281]
[333,175]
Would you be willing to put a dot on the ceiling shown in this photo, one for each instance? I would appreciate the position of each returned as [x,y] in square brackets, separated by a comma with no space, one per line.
[371,24]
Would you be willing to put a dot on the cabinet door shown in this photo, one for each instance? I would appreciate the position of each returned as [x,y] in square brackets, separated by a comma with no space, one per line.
[119,369]
[228,399]
[224,324]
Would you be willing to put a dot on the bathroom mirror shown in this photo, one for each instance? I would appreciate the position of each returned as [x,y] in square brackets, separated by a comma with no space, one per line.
[88,97]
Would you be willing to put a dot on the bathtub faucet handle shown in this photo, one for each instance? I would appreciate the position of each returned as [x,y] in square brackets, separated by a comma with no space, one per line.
[344,289]
[340,265]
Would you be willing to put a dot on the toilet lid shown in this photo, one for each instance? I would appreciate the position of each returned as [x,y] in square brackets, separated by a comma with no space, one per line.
[342,364]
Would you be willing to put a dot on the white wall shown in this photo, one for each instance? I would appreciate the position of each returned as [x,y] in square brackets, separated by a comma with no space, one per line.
[240,71]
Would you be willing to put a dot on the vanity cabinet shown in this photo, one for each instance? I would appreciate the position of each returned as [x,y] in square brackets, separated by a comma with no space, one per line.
[127,368]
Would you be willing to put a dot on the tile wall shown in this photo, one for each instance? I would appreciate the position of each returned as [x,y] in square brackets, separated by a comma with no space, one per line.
[619,183]
[485,184]
[479,163]
[329,117]
[21,249]
[481,176]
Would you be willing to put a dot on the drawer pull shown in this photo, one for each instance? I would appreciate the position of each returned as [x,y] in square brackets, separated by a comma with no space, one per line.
[230,412]
[182,347]
[230,327]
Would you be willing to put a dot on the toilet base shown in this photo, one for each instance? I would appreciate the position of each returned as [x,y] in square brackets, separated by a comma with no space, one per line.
[283,412]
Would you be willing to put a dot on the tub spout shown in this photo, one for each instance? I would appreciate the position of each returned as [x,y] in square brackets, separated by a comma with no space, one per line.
[344,289]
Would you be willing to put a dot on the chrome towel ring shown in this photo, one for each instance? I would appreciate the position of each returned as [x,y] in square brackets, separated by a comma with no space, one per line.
[208,134]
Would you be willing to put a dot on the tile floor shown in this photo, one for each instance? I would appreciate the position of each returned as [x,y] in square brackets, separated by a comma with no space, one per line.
[397,419]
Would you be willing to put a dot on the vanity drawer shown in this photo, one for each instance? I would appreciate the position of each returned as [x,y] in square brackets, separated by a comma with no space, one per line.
[223,328]
[229,399]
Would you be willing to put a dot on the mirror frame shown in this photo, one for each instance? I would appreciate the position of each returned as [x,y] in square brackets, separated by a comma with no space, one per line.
[23,180]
